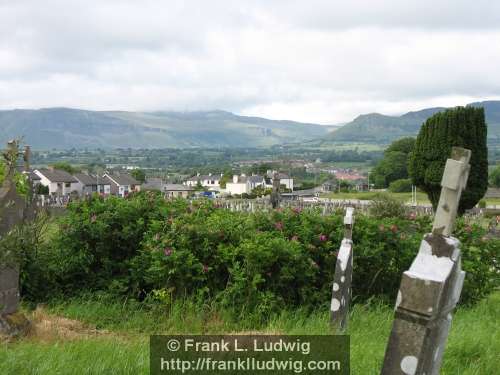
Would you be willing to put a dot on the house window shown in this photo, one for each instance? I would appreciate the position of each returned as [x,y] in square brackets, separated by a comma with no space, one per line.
[67,184]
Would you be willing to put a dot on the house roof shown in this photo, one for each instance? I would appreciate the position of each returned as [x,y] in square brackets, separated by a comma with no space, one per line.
[86,179]
[152,184]
[177,187]
[123,179]
[57,175]
[255,179]
[215,177]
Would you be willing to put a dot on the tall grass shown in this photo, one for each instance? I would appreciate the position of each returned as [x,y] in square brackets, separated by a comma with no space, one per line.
[473,346]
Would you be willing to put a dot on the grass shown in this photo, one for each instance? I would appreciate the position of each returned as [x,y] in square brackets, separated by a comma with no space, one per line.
[369,195]
[473,345]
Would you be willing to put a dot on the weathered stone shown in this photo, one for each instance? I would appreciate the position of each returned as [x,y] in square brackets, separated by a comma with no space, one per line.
[9,290]
[14,325]
[431,288]
[341,289]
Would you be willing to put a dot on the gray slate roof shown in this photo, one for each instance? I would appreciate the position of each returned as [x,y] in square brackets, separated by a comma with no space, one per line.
[123,179]
[177,187]
[86,179]
[57,175]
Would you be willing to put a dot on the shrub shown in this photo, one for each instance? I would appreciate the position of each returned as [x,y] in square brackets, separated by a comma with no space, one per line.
[385,206]
[401,186]
[145,247]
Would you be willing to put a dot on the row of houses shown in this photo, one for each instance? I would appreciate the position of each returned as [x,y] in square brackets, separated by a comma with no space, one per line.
[62,183]
[240,184]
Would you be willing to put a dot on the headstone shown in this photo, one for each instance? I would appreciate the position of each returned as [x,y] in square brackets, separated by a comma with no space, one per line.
[341,289]
[431,288]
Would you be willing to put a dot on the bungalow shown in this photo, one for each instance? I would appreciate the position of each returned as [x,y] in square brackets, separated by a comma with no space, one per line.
[58,181]
[88,184]
[210,181]
[177,191]
[122,184]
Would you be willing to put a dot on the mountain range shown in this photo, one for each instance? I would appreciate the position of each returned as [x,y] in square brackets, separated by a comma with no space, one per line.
[64,128]
[378,128]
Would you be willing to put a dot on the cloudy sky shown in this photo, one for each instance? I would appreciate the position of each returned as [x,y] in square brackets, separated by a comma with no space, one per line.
[320,61]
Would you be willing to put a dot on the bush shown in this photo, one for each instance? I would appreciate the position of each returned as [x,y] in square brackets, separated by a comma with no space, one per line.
[400,186]
[385,206]
[144,246]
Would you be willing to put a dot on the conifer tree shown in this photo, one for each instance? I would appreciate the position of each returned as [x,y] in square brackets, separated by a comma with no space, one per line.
[462,127]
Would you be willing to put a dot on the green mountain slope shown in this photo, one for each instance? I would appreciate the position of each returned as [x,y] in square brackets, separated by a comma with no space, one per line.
[67,128]
[378,128]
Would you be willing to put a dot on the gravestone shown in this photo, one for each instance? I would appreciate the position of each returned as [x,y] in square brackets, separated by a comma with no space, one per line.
[12,211]
[431,288]
[341,289]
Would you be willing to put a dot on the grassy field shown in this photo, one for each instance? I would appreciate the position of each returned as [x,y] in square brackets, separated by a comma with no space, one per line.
[99,337]
[368,195]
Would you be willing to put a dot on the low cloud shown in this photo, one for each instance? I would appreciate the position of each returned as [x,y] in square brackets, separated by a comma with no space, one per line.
[324,61]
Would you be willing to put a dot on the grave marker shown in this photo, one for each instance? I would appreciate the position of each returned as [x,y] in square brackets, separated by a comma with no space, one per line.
[431,288]
[341,289]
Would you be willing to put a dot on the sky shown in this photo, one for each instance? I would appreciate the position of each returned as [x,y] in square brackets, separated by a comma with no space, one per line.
[322,61]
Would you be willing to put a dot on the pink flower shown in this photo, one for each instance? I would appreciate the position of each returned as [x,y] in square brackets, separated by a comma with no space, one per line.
[93,218]
[412,216]
[394,228]
[323,237]
[168,251]
[295,238]
[205,268]
[279,225]
[297,210]
[468,229]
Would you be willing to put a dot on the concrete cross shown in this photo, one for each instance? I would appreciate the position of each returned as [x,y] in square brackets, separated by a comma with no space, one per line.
[431,288]
[341,289]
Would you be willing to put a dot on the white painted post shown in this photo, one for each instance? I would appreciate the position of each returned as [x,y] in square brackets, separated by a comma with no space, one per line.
[341,289]
[431,288]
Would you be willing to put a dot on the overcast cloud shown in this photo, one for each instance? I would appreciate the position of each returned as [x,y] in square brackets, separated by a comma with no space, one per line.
[317,60]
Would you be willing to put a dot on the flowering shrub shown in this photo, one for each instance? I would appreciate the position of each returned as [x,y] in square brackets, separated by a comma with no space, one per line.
[256,261]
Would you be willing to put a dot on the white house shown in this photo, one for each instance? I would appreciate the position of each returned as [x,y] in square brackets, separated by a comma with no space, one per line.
[210,181]
[122,184]
[244,184]
[285,180]
[58,181]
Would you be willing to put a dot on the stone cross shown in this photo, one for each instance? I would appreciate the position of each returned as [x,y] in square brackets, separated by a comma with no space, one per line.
[431,288]
[341,290]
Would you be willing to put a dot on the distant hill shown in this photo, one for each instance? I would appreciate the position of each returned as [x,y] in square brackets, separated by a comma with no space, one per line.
[378,128]
[67,128]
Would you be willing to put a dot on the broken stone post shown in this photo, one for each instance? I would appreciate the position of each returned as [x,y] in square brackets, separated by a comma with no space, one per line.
[341,290]
[12,211]
[431,288]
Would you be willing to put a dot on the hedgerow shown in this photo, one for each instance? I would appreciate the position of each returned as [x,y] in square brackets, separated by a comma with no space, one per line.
[144,245]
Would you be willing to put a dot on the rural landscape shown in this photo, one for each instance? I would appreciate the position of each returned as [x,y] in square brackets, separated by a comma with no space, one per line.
[203,179]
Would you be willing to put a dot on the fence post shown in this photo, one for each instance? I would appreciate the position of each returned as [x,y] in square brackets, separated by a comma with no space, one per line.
[341,289]
[431,288]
